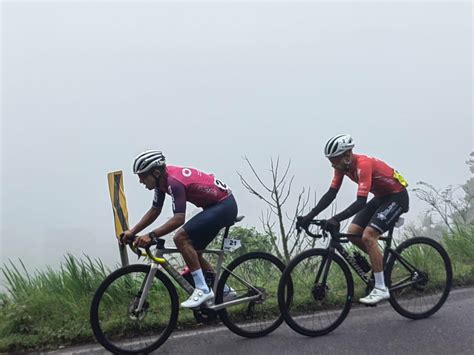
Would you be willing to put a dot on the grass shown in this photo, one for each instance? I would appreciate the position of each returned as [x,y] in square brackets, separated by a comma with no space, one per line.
[460,247]
[50,308]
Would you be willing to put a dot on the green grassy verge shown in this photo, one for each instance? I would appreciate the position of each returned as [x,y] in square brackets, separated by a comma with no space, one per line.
[51,308]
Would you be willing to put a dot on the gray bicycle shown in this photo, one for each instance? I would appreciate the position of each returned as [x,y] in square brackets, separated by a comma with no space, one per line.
[136,307]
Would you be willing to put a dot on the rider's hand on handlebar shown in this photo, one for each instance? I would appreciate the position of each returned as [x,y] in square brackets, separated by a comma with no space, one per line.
[332,225]
[302,222]
[143,241]
[126,237]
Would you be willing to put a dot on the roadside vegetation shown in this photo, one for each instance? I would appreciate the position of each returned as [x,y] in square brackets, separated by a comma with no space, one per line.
[50,308]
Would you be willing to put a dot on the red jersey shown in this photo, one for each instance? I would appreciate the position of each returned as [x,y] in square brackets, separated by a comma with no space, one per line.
[372,175]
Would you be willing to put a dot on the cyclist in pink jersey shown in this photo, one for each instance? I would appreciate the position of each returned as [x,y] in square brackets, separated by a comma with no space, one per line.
[184,184]
[373,218]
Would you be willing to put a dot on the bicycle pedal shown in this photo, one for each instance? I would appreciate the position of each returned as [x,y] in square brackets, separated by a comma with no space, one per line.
[370,305]
[208,303]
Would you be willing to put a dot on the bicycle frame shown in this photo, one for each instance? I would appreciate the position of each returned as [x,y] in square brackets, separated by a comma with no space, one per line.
[335,244]
[157,260]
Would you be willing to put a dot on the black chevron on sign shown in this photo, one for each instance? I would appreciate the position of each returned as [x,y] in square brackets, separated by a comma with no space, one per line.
[117,206]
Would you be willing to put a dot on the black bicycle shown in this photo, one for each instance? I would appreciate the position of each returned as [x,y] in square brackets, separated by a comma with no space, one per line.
[316,289]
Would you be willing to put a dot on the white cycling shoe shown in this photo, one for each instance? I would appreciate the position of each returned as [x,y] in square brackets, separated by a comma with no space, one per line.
[197,298]
[376,296]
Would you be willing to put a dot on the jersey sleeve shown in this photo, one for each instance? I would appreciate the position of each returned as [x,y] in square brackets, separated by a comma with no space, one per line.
[364,172]
[178,194]
[158,199]
[337,180]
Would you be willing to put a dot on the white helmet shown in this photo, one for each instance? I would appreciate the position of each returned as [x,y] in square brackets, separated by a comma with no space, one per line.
[338,145]
[147,161]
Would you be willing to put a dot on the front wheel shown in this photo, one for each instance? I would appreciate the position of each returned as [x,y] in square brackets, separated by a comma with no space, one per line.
[419,276]
[117,323]
[252,274]
[315,292]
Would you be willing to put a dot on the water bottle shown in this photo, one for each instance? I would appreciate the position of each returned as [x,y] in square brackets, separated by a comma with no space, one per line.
[362,262]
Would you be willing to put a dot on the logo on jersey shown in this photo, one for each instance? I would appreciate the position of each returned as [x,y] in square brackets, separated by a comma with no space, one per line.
[186,172]
[220,184]
[170,192]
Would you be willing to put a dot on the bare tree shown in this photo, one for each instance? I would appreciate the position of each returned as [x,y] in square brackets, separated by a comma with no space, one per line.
[277,224]
[445,204]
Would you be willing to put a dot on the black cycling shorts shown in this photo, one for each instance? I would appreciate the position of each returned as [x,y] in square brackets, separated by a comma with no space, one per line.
[381,213]
[205,226]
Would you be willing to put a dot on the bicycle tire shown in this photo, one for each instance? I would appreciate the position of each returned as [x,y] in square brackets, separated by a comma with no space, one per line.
[116,341]
[295,310]
[432,267]
[231,317]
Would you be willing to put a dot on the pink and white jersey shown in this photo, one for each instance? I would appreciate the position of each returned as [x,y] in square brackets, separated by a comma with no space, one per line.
[191,185]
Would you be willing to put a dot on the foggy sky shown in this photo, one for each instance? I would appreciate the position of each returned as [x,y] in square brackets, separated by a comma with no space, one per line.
[88,86]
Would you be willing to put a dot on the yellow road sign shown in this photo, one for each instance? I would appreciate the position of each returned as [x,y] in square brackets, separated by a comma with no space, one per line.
[119,203]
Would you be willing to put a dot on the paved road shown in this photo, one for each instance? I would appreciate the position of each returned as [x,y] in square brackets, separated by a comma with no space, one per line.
[377,330]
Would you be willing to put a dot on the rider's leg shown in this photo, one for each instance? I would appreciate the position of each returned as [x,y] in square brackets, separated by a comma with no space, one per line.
[204,263]
[356,229]
[360,221]
[384,218]
[190,256]
[370,238]
[380,291]
[185,247]
[390,209]
[195,235]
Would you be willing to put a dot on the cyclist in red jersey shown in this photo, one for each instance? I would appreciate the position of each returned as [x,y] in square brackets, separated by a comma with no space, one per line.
[184,185]
[373,218]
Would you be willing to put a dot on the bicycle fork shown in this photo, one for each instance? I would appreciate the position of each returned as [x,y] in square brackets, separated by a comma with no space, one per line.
[319,287]
[145,287]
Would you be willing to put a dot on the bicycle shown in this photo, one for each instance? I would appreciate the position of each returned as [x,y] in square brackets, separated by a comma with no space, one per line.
[135,308]
[316,290]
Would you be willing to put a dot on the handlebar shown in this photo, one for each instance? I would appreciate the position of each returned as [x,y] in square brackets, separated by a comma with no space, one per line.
[147,253]
[317,222]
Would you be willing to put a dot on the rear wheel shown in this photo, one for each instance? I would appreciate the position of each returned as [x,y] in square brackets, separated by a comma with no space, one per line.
[419,277]
[252,274]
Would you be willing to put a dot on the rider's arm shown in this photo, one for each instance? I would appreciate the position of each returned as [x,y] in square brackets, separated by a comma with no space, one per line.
[329,196]
[149,217]
[358,205]
[178,195]
[152,214]
[324,202]
[173,223]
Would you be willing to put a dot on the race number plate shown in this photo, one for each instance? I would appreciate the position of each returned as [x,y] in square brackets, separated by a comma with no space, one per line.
[232,244]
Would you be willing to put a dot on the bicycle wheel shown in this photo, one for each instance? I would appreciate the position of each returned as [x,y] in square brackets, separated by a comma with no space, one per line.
[315,307]
[114,321]
[249,275]
[419,277]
